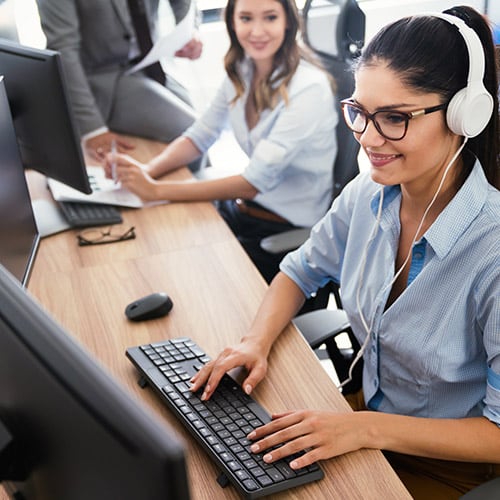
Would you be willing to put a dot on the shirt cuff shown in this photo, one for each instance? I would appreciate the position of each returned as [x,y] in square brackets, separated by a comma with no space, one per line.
[494,379]
[94,133]
[492,400]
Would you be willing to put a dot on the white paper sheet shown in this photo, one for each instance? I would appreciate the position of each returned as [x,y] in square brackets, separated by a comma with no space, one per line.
[104,191]
[169,44]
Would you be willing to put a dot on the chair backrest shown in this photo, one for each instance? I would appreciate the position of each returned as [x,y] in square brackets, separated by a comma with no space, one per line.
[345,166]
[346,40]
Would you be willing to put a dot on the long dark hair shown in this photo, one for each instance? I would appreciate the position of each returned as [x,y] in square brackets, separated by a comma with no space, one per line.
[431,57]
[285,63]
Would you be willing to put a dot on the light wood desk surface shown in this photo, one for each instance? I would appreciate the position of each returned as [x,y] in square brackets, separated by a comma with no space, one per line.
[186,250]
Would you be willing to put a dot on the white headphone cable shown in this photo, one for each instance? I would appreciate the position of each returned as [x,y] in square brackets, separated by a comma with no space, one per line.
[368,328]
[360,283]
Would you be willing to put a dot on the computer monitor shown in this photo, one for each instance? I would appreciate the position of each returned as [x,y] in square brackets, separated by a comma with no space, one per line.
[46,130]
[68,430]
[19,236]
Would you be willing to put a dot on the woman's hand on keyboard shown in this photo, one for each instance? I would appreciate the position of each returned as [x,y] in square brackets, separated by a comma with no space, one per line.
[248,353]
[282,301]
[324,434]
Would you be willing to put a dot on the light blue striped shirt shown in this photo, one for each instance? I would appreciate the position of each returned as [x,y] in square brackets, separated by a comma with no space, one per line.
[292,147]
[435,352]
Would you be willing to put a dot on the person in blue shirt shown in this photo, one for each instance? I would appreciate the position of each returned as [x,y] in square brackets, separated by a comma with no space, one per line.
[280,105]
[415,245]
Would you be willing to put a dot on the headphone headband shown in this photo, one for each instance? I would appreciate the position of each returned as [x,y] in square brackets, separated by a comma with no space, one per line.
[473,43]
[470,109]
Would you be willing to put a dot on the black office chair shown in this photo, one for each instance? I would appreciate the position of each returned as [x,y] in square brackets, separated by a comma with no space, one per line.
[316,323]
[486,491]
[348,38]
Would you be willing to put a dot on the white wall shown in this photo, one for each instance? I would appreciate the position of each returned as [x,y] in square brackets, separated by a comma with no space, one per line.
[381,12]
[493,10]
[378,14]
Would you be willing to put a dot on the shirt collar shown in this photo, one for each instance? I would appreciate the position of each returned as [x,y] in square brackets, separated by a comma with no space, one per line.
[457,215]
[390,194]
[246,67]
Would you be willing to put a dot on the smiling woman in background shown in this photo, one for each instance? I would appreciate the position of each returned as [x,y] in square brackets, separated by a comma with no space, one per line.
[280,105]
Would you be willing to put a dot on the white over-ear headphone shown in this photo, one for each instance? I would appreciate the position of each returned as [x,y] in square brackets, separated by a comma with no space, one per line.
[470,109]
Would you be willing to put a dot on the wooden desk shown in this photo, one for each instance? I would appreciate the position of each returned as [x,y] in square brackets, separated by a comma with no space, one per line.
[186,250]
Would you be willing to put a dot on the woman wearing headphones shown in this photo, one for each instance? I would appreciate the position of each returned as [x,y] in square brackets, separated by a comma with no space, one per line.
[414,243]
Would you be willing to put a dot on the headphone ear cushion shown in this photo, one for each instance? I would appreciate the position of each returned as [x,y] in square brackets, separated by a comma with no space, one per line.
[469,110]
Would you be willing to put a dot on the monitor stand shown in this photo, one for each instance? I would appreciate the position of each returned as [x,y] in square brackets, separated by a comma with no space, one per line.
[49,219]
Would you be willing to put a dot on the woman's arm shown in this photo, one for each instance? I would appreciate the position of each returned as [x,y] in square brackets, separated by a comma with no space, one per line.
[177,154]
[330,434]
[280,304]
[134,178]
[225,188]
[467,439]
[197,139]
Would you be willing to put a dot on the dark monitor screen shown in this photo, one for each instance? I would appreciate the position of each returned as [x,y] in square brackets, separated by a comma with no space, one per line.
[45,128]
[68,430]
[19,237]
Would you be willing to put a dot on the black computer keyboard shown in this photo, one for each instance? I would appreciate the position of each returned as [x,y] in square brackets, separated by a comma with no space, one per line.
[221,424]
[81,214]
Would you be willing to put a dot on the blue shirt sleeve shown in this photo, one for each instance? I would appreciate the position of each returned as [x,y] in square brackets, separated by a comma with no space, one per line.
[488,317]
[207,129]
[305,124]
[492,400]
[320,258]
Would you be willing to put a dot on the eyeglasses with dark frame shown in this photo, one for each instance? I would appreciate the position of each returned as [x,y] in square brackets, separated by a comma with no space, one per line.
[391,125]
[97,236]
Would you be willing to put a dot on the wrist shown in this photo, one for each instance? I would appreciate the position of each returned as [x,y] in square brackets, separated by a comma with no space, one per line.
[152,169]
[158,190]
[94,133]
[148,168]
[371,429]
[261,342]
[158,165]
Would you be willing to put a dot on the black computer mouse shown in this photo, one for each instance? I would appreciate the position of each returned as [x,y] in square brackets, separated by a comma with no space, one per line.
[151,306]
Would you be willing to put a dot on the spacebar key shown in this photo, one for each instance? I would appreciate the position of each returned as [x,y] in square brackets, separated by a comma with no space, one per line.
[285,469]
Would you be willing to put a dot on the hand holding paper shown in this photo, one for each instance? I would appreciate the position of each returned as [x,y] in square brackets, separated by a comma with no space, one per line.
[168,45]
